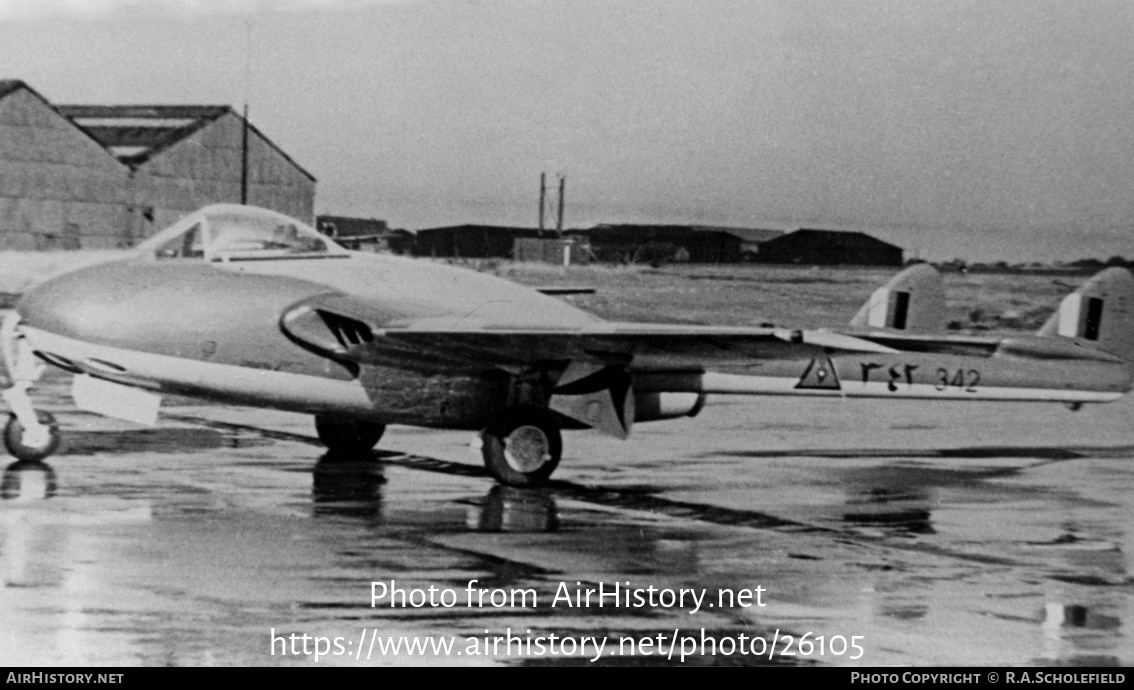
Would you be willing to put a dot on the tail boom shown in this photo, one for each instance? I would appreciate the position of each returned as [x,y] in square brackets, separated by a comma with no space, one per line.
[1012,373]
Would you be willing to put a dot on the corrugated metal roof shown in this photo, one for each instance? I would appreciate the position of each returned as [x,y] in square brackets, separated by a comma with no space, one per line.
[745,234]
[136,133]
[7,86]
[497,229]
[10,86]
[838,238]
[146,112]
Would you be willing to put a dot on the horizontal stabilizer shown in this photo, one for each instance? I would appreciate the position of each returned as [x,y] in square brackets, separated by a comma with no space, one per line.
[566,290]
[913,300]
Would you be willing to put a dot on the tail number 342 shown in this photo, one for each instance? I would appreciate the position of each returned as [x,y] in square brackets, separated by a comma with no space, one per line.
[965,380]
[944,379]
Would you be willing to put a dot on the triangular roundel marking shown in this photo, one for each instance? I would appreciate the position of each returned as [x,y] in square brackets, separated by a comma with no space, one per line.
[819,374]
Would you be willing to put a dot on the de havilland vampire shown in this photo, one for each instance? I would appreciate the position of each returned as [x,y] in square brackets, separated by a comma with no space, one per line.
[243,305]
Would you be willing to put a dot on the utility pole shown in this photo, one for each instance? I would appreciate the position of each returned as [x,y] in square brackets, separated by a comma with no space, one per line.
[542,199]
[244,159]
[559,222]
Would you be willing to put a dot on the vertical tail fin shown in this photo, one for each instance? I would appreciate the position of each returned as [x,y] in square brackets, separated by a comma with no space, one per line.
[1099,314]
[913,300]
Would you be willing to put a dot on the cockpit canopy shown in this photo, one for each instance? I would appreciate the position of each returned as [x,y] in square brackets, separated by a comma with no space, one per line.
[230,232]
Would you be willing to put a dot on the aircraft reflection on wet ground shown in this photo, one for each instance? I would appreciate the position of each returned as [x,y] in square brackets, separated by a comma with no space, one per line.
[28,480]
[349,487]
[186,543]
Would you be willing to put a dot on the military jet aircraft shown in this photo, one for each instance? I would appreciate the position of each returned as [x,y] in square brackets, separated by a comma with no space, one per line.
[243,305]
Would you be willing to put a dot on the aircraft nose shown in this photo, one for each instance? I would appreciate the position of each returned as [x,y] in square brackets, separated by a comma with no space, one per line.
[83,304]
[179,309]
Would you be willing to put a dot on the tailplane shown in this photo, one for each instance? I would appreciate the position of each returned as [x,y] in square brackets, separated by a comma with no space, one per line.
[1099,314]
[913,300]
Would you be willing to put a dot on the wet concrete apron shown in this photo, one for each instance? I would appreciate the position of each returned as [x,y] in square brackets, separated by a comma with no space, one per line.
[927,534]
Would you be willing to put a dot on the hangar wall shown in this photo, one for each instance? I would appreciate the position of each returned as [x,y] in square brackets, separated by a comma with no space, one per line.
[59,189]
[205,168]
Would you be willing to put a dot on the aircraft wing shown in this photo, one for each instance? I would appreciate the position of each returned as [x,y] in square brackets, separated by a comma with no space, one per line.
[350,329]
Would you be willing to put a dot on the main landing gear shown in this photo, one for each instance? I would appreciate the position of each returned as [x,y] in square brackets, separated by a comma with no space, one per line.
[348,436]
[522,446]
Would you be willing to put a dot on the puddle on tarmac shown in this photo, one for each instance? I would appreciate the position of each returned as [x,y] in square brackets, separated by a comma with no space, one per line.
[157,440]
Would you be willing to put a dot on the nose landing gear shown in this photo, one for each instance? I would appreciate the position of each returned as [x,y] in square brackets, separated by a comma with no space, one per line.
[32,443]
[30,434]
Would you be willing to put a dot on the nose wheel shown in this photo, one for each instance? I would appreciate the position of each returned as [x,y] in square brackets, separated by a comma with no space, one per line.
[32,444]
[522,446]
[30,434]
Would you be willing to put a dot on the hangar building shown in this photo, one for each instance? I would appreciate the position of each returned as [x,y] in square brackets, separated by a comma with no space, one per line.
[109,176]
[829,247]
[607,242]
[693,243]
[472,241]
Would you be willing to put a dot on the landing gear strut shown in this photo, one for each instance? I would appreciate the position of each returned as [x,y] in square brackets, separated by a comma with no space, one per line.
[522,446]
[348,436]
[30,434]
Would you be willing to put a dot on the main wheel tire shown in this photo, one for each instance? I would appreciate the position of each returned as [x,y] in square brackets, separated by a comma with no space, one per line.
[14,438]
[348,436]
[522,446]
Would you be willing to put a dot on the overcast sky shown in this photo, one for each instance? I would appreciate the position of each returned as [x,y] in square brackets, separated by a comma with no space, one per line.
[980,129]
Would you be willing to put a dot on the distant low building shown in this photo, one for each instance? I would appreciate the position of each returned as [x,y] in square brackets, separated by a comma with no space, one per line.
[751,239]
[472,241]
[402,241]
[829,247]
[570,250]
[356,233]
[692,243]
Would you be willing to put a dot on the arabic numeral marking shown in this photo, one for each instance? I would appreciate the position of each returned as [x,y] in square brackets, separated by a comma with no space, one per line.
[974,379]
[867,367]
[838,638]
[895,374]
[787,646]
[898,373]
